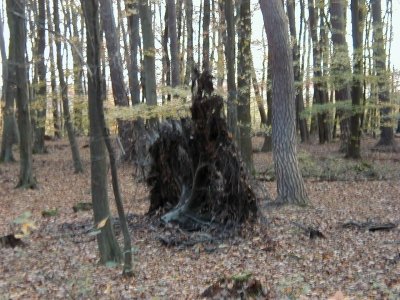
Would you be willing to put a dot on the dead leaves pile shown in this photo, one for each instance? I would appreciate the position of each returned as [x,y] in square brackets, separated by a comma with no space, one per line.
[283,261]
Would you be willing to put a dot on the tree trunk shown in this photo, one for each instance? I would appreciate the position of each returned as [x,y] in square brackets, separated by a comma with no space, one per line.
[17,14]
[206,36]
[173,42]
[244,83]
[340,69]
[40,95]
[301,122]
[134,38]
[107,243]
[10,128]
[54,98]
[355,132]
[189,50]
[149,53]
[319,94]
[290,183]
[64,95]
[230,54]
[386,140]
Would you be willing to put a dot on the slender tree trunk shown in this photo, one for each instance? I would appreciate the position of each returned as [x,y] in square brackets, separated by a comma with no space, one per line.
[107,243]
[298,76]
[290,184]
[17,14]
[230,54]
[221,42]
[257,92]
[356,92]
[206,35]
[149,52]
[173,42]
[379,53]
[41,90]
[54,98]
[189,50]
[64,95]
[244,83]
[133,29]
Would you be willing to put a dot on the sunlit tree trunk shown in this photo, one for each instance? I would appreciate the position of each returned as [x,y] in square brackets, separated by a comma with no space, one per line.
[290,183]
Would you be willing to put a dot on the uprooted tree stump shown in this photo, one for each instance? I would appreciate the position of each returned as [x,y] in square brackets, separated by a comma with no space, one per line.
[196,175]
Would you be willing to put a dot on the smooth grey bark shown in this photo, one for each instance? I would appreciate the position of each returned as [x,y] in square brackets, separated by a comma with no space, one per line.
[379,53]
[41,90]
[230,54]
[206,36]
[189,49]
[291,189]
[173,43]
[298,76]
[357,17]
[244,83]
[133,30]
[10,134]
[340,69]
[78,167]
[149,52]
[106,240]
[17,14]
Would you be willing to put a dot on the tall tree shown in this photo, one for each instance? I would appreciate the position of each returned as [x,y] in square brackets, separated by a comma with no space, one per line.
[230,54]
[114,55]
[17,14]
[290,183]
[189,50]
[134,39]
[10,130]
[244,83]
[298,76]
[53,83]
[40,94]
[107,243]
[173,43]
[149,52]
[319,93]
[379,53]
[206,35]
[64,94]
[341,69]
[357,17]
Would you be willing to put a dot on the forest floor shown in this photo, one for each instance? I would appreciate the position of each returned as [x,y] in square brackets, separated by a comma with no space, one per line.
[59,259]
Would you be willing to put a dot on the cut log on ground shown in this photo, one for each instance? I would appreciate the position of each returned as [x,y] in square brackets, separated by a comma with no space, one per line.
[196,175]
